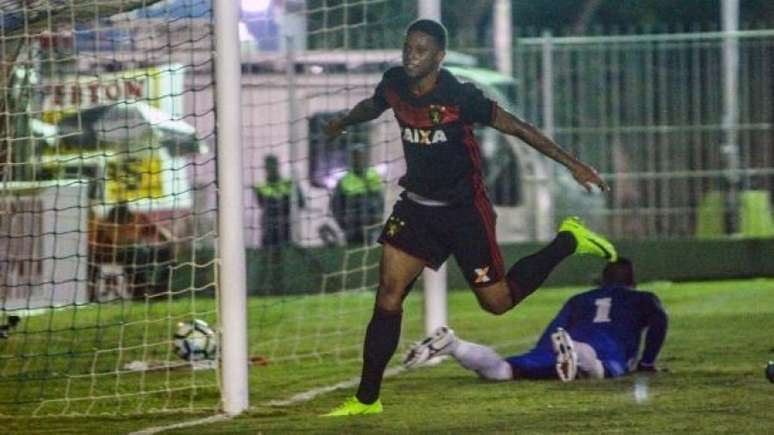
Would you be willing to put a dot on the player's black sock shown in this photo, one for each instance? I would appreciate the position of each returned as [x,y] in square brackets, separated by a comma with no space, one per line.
[381,341]
[529,273]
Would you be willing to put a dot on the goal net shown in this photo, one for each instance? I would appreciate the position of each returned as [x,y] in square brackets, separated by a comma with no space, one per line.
[109,120]
[107,205]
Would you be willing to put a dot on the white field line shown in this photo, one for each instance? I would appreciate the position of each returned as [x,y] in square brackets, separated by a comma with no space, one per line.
[206,420]
[314,392]
[308,395]
[311,394]
[298,398]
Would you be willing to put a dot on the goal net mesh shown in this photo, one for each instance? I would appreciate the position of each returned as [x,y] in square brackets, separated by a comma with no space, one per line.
[108,206]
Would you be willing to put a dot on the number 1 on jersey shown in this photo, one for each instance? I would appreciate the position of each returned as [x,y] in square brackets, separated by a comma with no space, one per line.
[603,310]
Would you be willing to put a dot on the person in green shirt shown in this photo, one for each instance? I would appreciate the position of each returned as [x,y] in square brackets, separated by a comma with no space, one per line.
[358,199]
[275,196]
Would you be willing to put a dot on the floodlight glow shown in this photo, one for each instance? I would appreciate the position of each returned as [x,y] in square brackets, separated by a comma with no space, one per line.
[255,6]
[244,33]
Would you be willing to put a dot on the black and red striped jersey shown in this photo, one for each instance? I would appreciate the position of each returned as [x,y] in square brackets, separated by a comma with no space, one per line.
[443,160]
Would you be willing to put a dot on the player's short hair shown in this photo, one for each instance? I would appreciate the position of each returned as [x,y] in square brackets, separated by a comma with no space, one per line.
[435,29]
[619,272]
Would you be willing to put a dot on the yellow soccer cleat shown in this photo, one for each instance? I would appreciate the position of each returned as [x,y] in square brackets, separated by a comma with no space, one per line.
[352,406]
[589,242]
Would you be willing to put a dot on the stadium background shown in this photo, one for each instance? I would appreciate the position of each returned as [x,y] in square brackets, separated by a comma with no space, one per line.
[636,90]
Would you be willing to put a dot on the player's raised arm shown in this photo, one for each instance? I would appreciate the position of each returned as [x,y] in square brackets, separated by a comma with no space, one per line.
[363,111]
[584,174]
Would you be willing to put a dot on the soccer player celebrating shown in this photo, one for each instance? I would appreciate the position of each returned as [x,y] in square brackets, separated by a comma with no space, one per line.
[596,334]
[444,209]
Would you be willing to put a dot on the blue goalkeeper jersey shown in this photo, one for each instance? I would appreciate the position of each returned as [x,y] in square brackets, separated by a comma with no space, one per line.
[612,320]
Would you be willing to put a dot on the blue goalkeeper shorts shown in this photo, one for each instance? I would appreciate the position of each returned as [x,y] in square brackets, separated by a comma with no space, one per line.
[539,363]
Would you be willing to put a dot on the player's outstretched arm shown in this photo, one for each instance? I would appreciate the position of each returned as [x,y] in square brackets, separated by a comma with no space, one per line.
[584,174]
[363,111]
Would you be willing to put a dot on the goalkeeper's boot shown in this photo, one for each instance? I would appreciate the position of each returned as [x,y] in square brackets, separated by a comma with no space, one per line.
[566,357]
[352,406]
[440,342]
[589,242]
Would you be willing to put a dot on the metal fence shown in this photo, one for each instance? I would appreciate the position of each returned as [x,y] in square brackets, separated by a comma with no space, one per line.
[679,124]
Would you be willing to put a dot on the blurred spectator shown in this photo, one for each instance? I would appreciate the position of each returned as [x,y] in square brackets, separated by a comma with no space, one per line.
[358,199]
[133,240]
[274,197]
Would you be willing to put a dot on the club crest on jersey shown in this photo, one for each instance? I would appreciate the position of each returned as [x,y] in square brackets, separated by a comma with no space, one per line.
[436,113]
[423,137]
[394,225]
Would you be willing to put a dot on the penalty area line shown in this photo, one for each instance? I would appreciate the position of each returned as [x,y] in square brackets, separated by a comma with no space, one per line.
[351,383]
[311,394]
[197,422]
[298,398]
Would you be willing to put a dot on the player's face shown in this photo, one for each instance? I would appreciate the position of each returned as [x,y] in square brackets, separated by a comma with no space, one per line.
[421,55]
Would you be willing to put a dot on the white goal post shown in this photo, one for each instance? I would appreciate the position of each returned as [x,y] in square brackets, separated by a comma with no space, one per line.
[133,149]
[231,246]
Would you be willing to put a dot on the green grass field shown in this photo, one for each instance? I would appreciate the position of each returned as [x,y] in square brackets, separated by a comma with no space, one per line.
[719,340]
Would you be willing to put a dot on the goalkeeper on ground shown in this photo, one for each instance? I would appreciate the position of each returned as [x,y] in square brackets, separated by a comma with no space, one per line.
[597,334]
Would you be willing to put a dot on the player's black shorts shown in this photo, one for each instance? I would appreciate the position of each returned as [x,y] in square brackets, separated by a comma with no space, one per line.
[433,233]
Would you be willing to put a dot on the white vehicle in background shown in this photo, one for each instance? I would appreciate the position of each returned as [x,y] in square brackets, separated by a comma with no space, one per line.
[123,132]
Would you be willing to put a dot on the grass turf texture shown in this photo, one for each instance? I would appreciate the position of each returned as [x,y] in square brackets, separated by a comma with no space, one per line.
[717,346]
